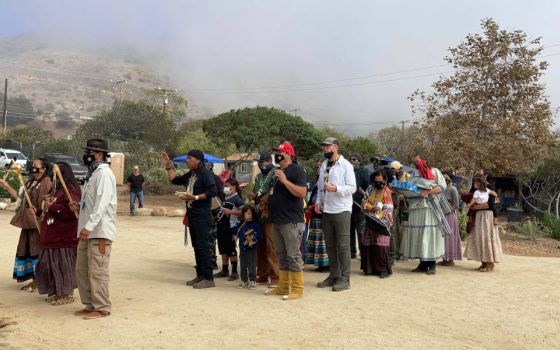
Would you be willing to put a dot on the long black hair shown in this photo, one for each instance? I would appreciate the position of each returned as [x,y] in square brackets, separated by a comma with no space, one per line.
[380,171]
[247,208]
[68,176]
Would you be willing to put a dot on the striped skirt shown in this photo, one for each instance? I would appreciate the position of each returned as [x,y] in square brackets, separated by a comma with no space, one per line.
[375,253]
[316,247]
[27,255]
[56,271]
[453,249]
[422,235]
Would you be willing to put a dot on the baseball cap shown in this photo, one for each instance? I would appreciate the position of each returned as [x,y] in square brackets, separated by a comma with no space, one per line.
[329,141]
[286,147]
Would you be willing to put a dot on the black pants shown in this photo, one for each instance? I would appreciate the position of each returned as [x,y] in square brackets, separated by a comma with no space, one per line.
[248,264]
[200,225]
[355,223]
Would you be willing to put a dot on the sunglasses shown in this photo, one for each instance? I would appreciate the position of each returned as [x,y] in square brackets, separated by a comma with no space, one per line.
[353,159]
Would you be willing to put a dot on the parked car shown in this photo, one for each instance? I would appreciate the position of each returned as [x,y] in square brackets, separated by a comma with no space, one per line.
[7,155]
[79,170]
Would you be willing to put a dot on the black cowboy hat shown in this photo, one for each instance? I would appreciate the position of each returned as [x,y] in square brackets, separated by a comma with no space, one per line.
[98,145]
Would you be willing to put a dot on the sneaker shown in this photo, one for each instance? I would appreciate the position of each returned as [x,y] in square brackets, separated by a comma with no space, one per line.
[204,284]
[243,285]
[233,277]
[340,285]
[194,281]
[221,274]
[252,285]
[328,282]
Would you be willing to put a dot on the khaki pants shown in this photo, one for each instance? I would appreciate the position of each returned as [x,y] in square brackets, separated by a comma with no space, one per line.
[92,274]
[267,262]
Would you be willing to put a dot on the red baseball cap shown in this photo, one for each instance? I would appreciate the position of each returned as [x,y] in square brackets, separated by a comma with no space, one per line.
[286,147]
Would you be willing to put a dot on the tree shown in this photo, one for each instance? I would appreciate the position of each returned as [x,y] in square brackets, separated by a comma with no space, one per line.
[130,121]
[262,128]
[401,146]
[175,104]
[491,112]
[20,110]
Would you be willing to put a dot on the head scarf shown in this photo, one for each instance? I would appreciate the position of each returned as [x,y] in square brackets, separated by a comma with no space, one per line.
[425,171]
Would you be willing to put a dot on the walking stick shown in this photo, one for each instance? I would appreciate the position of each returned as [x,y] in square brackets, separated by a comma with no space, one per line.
[56,171]
[27,198]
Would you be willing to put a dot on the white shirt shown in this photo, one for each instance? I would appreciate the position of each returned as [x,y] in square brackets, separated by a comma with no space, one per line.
[342,175]
[481,197]
[98,207]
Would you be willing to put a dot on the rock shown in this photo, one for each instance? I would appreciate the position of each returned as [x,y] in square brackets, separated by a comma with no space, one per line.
[176,213]
[11,207]
[6,200]
[144,212]
[3,205]
[159,211]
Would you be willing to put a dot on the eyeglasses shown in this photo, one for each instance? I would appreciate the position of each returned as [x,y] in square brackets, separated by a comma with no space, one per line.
[353,159]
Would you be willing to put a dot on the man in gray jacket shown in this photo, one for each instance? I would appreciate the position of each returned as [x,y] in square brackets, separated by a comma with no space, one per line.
[96,231]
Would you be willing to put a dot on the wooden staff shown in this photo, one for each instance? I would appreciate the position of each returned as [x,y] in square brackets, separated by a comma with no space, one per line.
[27,198]
[57,172]
[12,163]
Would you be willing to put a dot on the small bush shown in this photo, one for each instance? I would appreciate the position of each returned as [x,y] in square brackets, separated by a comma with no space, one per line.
[532,228]
[156,182]
[462,218]
[12,180]
[552,223]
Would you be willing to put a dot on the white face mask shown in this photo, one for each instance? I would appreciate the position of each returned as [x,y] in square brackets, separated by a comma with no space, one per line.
[227,191]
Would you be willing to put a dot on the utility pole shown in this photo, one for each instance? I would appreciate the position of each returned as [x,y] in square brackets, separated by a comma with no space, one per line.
[295,111]
[5,109]
[165,98]
[121,84]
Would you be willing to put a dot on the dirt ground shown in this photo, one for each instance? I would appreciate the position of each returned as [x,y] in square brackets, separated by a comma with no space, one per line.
[515,307]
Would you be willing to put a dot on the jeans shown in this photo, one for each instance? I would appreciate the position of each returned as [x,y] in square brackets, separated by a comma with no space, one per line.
[248,260]
[199,227]
[336,228]
[287,242]
[133,196]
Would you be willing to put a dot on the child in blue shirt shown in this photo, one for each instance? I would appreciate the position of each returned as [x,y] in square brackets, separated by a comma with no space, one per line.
[249,233]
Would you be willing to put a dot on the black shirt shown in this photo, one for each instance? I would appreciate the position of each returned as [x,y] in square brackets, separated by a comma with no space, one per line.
[136,182]
[219,188]
[284,207]
[204,183]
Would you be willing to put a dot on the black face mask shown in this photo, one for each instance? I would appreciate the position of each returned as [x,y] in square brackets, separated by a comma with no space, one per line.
[35,170]
[328,155]
[278,158]
[378,185]
[265,169]
[88,159]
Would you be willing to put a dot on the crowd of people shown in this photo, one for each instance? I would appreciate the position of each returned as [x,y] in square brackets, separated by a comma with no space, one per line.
[286,221]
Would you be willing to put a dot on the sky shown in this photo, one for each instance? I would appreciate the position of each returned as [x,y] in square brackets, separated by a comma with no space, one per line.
[348,64]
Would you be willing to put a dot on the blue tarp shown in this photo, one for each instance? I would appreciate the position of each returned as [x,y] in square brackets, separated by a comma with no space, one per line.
[207,156]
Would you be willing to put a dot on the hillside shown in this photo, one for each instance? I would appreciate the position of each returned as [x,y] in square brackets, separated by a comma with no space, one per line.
[71,81]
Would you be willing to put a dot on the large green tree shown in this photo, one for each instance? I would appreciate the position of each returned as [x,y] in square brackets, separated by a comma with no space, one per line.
[262,128]
[491,112]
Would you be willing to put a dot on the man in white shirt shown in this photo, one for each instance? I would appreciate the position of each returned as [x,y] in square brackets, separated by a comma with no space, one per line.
[96,231]
[336,185]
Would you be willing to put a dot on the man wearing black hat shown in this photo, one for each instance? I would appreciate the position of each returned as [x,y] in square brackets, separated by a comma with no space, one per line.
[221,197]
[267,262]
[201,187]
[362,183]
[96,231]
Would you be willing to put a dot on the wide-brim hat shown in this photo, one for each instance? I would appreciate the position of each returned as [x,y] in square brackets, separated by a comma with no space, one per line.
[97,145]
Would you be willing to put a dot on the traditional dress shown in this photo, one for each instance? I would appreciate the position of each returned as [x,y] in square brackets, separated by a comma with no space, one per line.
[375,257]
[316,246]
[452,241]
[483,244]
[28,249]
[55,271]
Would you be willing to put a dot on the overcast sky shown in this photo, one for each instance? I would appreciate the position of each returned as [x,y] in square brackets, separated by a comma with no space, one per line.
[218,51]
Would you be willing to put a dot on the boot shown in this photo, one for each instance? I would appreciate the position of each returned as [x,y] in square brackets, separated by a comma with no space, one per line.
[297,286]
[283,285]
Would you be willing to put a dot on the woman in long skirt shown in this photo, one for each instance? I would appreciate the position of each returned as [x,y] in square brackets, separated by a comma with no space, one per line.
[316,253]
[452,241]
[483,243]
[375,256]
[27,252]
[55,271]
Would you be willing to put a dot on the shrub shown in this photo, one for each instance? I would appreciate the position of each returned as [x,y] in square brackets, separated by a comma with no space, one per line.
[10,179]
[462,218]
[552,223]
[156,182]
[531,228]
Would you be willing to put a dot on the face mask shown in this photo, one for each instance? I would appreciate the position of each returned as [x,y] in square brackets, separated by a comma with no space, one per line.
[35,170]
[378,185]
[227,191]
[279,158]
[265,169]
[88,159]
[328,155]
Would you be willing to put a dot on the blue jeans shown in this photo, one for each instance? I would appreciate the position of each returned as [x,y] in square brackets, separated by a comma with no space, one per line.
[133,196]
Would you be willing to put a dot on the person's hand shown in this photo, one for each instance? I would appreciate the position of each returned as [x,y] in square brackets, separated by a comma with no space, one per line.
[74,206]
[264,200]
[84,234]
[32,211]
[251,196]
[48,202]
[361,191]
[4,184]
[227,211]
[187,197]
[318,208]
[166,160]
[330,188]
[281,176]
[425,193]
